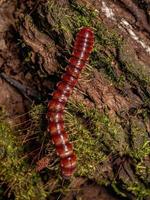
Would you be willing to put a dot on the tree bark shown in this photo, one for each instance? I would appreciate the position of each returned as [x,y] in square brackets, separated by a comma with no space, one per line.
[108,114]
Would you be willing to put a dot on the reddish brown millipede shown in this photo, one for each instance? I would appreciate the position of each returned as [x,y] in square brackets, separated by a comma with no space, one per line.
[82,48]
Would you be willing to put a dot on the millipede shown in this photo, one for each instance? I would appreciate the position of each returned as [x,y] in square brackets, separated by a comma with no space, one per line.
[81,51]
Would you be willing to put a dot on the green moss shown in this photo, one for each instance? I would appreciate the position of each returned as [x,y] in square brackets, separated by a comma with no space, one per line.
[100,126]
[140,139]
[61,19]
[134,69]
[87,148]
[105,38]
[143,170]
[14,171]
[92,133]
[83,15]
[103,63]
[36,113]
[139,190]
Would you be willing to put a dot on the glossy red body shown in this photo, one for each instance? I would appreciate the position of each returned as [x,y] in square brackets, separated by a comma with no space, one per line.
[82,48]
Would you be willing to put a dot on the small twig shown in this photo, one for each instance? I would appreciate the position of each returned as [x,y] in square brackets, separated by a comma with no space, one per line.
[24,90]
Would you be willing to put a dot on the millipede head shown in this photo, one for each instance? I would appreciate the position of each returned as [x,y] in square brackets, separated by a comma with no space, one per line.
[86,31]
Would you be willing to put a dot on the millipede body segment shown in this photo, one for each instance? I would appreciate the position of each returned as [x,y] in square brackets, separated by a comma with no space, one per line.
[82,48]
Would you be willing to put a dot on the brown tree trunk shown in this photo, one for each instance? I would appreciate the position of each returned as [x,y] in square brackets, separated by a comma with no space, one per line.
[108,114]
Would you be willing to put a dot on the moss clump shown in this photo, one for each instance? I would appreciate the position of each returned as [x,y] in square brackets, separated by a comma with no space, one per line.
[92,134]
[21,179]
[140,140]
[100,126]
[139,190]
[87,148]
[60,22]
[131,65]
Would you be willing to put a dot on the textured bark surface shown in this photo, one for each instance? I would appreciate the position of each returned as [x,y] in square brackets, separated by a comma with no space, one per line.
[108,113]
